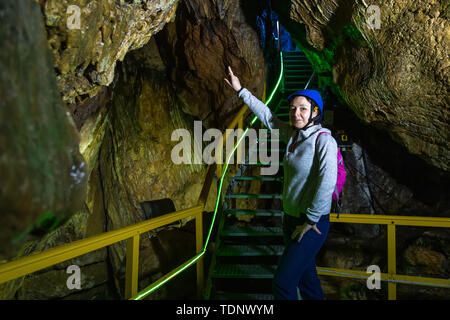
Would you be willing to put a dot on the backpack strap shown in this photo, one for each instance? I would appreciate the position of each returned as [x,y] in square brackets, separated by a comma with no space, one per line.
[339,161]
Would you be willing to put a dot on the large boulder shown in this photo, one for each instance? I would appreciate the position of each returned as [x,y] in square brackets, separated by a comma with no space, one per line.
[395,77]
[42,171]
[85,57]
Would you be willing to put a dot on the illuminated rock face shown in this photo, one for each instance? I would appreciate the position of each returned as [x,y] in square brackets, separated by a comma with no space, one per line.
[126,130]
[161,88]
[395,77]
[175,76]
[42,172]
[85,57]
[206,38]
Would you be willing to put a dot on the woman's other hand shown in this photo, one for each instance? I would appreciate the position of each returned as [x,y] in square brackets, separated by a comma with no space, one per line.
[304,229]
[234,81]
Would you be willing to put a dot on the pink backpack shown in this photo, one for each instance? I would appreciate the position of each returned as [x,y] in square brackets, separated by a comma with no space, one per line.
[341,173]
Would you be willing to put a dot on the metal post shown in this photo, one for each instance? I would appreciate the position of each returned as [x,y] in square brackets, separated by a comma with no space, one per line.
[132,268]
[199,248]
[392,262]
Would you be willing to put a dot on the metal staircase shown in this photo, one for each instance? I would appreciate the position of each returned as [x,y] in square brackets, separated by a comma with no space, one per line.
[297,75]
[247,253]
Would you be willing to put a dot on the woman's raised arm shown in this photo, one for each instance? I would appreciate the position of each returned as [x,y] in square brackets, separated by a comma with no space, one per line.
[263,113]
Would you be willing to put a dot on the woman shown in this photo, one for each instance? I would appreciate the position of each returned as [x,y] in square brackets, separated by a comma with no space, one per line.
[310,173]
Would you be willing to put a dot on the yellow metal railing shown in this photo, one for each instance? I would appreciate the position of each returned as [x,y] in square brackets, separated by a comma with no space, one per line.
[239,122]
[35,262]
[391,276]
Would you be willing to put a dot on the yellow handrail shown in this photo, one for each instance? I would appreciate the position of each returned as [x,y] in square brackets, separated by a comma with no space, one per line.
[34,262]
[391,222]
[239,121]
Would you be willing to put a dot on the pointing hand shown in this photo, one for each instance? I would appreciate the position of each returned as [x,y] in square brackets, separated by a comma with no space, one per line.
[234,81]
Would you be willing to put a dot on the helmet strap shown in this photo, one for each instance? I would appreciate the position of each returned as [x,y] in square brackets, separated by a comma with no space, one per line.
[311,119]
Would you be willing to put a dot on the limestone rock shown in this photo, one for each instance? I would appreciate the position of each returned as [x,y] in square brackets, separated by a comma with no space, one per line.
[431,261]
[53,284]
[85,58]
[135,158]
[395,77]
[206,38]
[344,259]
[41,168]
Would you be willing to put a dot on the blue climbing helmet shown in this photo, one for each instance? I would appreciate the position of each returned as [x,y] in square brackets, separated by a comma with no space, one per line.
[312,94]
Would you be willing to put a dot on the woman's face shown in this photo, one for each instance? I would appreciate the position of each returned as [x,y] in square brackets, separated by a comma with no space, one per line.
[299,111]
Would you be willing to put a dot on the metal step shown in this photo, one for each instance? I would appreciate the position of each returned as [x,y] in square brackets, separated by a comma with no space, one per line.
[251,231]
[244,271]
[253,196]
[294,71]
[256,212]
[296,88]
[296,82]
[297,76]
[287,52]
[295,58]
[300,70]
[257,178]
[293,53]
[250,250]
[297,65]
[241,296]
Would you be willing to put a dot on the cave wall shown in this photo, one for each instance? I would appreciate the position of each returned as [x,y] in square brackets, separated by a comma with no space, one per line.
[42,171]
[395,77]
[206,38]
[138,70]
[125,112]
[85,58]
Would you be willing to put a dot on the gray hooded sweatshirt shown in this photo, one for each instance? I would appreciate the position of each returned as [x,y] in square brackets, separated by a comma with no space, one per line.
[310,171]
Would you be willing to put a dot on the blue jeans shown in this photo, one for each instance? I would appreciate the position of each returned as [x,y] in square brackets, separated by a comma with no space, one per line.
[297,267]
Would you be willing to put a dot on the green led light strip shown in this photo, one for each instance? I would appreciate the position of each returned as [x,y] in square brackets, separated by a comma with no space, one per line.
[275,89]
[198,256]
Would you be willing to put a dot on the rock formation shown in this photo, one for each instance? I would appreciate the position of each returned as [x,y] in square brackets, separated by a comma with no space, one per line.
[206,38]
[100,34]
[42,171]
[135,71]
[126,128]
[395,77]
